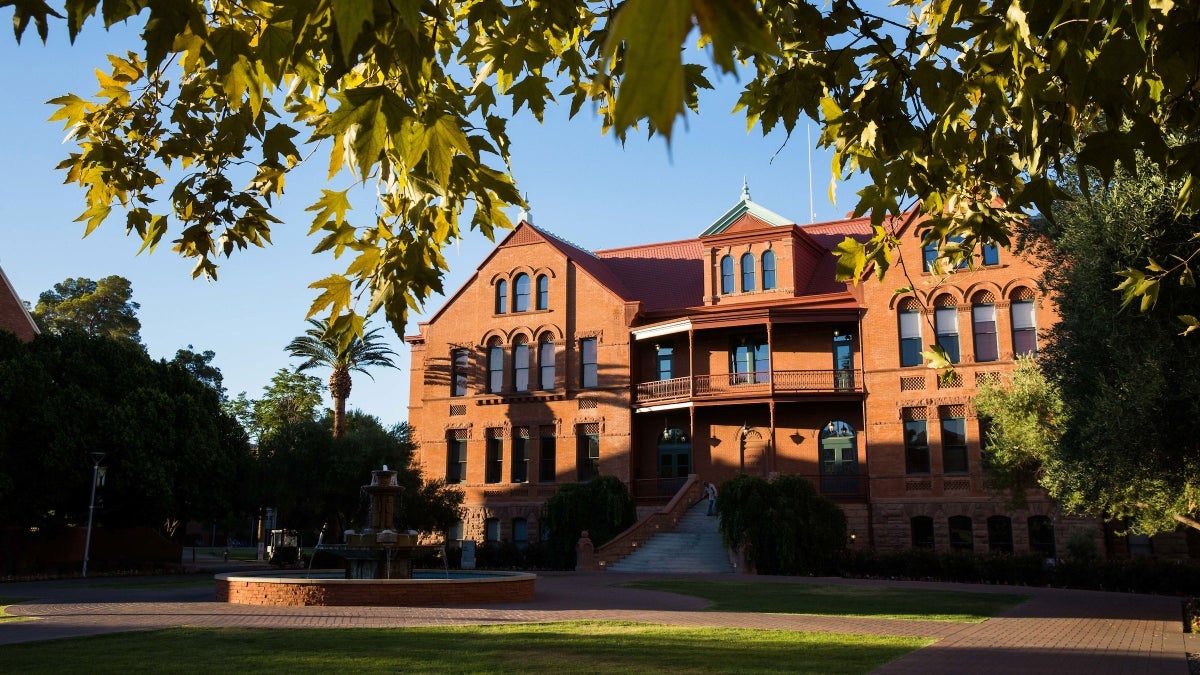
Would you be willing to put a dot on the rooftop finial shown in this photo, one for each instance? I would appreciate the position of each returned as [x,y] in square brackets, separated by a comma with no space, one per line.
[745,189]
[526,213]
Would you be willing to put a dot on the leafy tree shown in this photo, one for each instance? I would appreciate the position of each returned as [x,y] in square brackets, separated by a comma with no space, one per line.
[102,307]
[320,347]
[290,398]
[1130,387]
[171,453]
[314,479]
[789,527]
[201,367]
[963,110]
[602,506]
[1025,420]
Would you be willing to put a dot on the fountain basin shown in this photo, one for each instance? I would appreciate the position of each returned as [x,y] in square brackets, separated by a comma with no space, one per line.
[330,588]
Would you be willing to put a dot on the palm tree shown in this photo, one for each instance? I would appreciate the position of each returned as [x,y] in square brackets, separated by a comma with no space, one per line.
[323,349]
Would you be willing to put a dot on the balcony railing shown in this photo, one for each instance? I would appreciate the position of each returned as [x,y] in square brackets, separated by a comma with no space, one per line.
[755,383]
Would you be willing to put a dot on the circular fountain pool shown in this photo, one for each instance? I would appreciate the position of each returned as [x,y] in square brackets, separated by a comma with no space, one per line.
[331,588]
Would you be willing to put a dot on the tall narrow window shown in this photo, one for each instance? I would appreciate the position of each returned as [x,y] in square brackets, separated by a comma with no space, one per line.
[665,355]
[768,270]
[983,319]
[495,366]
[1041,536]
[946,320]
[747,272]
[991,256]
[519,465]
[922,531]
[962,535]
[910,334]
[491,530]
[750,360]
[1000,534]
[954,444]
[521,364]
[589,368]
[587,451]
[543,292]
[1024,327]
[521,293]
[546,362]
[520,533]
[929,254]
[456,456]
[727,274]
[494,468]
[916,441]
[547,455]
[458,372]
[501,297]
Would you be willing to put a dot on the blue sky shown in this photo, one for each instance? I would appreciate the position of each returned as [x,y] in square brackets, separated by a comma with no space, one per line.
[582,186]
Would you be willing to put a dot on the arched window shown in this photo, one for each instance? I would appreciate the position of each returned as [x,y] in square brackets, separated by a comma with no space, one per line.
[521,363]
[910,333]
[495,361]
[520,533]
[946,320]
[727,274]
[1024,326]
[1000,534]
[458,372]
[983,320]
[543,292]
[768,270]
[521,293]
[962,537]
[1041,536]
[747,272]
[491,530]
[922,531]
[546,362]
[501,297]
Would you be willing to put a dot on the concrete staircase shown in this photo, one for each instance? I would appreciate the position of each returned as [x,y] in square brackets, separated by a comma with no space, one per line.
[694,547]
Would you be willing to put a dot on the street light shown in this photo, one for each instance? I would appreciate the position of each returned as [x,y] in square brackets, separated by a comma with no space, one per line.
[87,542]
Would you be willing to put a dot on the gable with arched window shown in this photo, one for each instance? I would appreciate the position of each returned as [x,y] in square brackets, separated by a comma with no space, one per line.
[747,272]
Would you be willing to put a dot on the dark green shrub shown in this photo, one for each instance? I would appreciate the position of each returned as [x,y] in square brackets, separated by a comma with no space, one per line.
[602,506]
[789,528]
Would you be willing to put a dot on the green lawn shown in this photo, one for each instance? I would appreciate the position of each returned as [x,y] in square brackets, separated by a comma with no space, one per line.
[242,553]
[567,647]
[872,602]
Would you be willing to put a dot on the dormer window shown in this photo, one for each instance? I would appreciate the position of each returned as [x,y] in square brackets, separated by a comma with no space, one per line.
[727,274]
[768,270]
[747,272]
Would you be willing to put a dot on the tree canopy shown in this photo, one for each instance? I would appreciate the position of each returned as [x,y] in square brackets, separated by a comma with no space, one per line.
[290,398]
[103,307]
[960,108]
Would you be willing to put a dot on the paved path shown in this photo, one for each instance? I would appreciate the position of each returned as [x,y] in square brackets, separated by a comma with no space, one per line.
[1056,631]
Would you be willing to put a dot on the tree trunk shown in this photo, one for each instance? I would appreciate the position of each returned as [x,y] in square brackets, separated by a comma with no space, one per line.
[339,390]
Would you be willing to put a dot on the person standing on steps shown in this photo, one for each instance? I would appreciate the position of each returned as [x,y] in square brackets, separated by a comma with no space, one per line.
[710,491]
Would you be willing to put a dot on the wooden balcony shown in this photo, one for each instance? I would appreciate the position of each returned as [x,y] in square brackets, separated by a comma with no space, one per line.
[759,383]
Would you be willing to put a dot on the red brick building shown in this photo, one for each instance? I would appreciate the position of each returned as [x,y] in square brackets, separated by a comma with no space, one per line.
[732,352]
[13,316]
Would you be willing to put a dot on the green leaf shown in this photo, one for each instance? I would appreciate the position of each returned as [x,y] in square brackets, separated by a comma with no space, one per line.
[938,359]
[332,205]
[351,17]
[851,260]
[652,34]
[336,295]
[1191,322]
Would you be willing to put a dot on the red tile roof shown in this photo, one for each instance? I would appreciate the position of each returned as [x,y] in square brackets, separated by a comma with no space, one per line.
[662,276]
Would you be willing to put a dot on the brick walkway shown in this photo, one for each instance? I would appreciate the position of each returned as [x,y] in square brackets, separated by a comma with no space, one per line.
[1056,631]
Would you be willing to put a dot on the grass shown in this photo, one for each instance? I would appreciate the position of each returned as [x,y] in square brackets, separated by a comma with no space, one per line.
[241,553]
[5,617]
[858,601]
[565,647]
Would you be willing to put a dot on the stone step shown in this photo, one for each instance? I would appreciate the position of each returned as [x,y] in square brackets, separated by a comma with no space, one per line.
[694,547]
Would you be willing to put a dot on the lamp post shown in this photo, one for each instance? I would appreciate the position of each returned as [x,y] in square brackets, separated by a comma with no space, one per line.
[87,542]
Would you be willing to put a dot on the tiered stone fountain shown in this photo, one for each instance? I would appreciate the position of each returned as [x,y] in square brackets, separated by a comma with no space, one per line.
[377,570]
